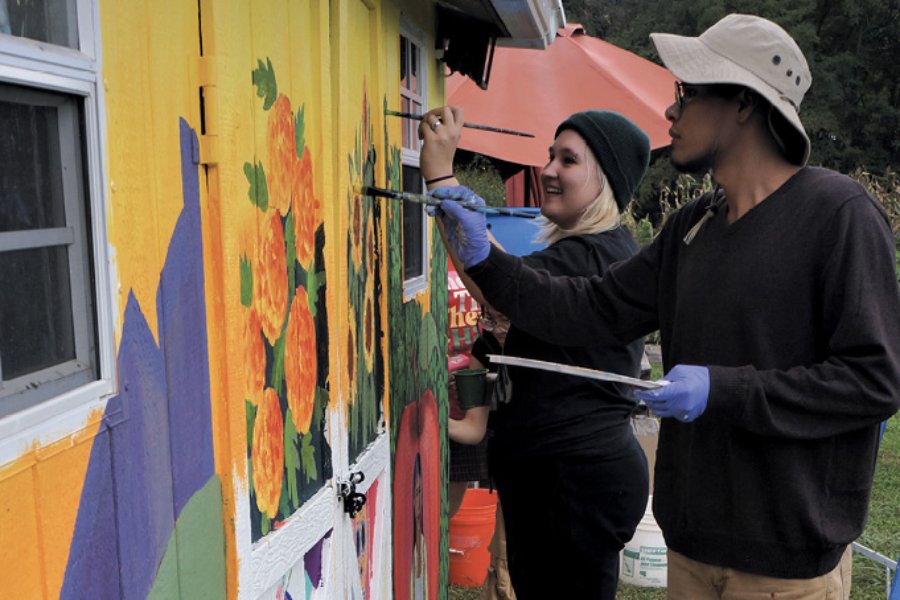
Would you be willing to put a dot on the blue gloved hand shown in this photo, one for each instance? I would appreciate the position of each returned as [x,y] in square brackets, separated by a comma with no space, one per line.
[684,398]
[466,229]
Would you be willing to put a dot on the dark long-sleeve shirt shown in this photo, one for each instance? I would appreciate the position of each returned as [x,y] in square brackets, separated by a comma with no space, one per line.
[551,414]
[795,309]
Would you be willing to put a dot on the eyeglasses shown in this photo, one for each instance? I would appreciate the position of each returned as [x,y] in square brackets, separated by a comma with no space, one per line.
[491,324]
[683,94]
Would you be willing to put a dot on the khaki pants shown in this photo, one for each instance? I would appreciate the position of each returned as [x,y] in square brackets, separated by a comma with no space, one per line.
[498,586]
[692,580]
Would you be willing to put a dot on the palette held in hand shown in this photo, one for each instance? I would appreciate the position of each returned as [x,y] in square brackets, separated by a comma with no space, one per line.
[543,365]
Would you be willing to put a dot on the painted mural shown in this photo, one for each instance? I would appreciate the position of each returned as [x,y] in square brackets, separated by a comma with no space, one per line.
[364,527]
[418,385]
[157,494]
[365,356]
[149,521]
[306,580]
[285,322]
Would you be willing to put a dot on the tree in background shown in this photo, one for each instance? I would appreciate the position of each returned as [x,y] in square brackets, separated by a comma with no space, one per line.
[852,111]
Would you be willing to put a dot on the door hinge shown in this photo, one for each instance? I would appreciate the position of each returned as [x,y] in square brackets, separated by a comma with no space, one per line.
[207,80]
[346,492]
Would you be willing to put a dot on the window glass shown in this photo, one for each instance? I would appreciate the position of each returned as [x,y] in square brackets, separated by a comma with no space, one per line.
[414,70]
[36,329]
[404,127]
[412,225]
[30,165]
[413,84]
[51,21]
[48,338]
[404,59]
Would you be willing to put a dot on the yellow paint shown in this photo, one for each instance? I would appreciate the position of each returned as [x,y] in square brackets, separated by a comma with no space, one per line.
[39,498]
[147,49]
[294,36]
[21,567]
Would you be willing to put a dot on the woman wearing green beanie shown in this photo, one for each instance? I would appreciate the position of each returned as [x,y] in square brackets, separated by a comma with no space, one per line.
[572,479]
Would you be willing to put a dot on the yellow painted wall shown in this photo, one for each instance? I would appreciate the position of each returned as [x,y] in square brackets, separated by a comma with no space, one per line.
[153,70]
[147,48]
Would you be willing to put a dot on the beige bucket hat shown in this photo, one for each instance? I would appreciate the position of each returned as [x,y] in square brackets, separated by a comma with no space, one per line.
[749,51]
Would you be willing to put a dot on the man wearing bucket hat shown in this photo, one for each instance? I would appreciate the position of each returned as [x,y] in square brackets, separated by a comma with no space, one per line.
[779,317]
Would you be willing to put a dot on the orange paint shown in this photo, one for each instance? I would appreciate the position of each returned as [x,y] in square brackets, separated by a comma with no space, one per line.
[40,494]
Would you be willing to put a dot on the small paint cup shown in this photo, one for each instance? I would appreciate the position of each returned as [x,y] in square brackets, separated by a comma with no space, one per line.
[470,390]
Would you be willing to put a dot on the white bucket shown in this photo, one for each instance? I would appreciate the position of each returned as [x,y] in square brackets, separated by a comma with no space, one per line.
[643,560]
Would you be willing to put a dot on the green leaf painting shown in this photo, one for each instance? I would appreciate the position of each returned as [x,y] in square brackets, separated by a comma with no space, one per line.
[308,451]
[289,237]
[278,364]
[258,192]
[250,412]
[264,79]
[291,461]
[246,282]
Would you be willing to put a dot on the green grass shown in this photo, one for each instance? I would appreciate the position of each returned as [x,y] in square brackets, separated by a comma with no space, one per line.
[882,532]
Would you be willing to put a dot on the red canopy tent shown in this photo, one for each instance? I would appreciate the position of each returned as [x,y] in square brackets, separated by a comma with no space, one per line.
[535,90]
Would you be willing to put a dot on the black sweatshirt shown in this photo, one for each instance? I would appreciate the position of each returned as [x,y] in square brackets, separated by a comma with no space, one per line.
[561,415]
[795,309]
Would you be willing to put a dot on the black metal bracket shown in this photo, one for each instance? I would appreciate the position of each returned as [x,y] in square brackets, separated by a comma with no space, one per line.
[346,492]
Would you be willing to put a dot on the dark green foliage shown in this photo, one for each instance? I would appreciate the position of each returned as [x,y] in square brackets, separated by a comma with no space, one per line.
[476,171]
[852,111]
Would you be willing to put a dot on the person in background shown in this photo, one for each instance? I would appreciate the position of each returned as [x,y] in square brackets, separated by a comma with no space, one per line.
[572,479]
[779,317]
[471,429]
[468,459]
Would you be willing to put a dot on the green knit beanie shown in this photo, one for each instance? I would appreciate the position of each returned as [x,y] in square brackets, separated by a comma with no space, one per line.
[620,146]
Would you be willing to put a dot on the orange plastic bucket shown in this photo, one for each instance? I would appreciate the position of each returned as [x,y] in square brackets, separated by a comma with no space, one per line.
[471,530]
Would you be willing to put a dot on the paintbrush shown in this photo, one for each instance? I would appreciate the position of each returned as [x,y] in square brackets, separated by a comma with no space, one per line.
[376,192]
[408,115]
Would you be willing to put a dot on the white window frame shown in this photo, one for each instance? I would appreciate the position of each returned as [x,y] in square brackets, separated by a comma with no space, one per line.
[77,73]
[410,158]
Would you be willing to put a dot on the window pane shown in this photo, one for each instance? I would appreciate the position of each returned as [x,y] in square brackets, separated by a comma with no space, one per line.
[52,21]
[404,127]
[414,69]
[403,59]
[30,164]
[412,225]
[36,329]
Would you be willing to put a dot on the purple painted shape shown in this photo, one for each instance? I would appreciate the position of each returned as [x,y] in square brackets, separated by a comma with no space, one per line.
[312,561]
[94,529]
[145,468]
[134,456]
[181,311]
[140,456]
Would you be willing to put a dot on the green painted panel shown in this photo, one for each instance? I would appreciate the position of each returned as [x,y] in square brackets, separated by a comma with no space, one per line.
[193,566]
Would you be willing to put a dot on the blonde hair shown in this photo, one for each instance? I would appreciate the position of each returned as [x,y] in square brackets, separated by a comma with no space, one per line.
[602,214]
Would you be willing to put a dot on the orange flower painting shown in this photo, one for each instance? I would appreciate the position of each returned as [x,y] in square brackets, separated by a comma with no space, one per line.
[285,314]
[368,328]
[356,231]
[268,453]
[306,211]
[351,358]
[270,281]
[300,362]
[282,148]
[254,358]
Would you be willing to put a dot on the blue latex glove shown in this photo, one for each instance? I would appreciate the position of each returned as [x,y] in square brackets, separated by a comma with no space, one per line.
[684,398]
[466,229]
